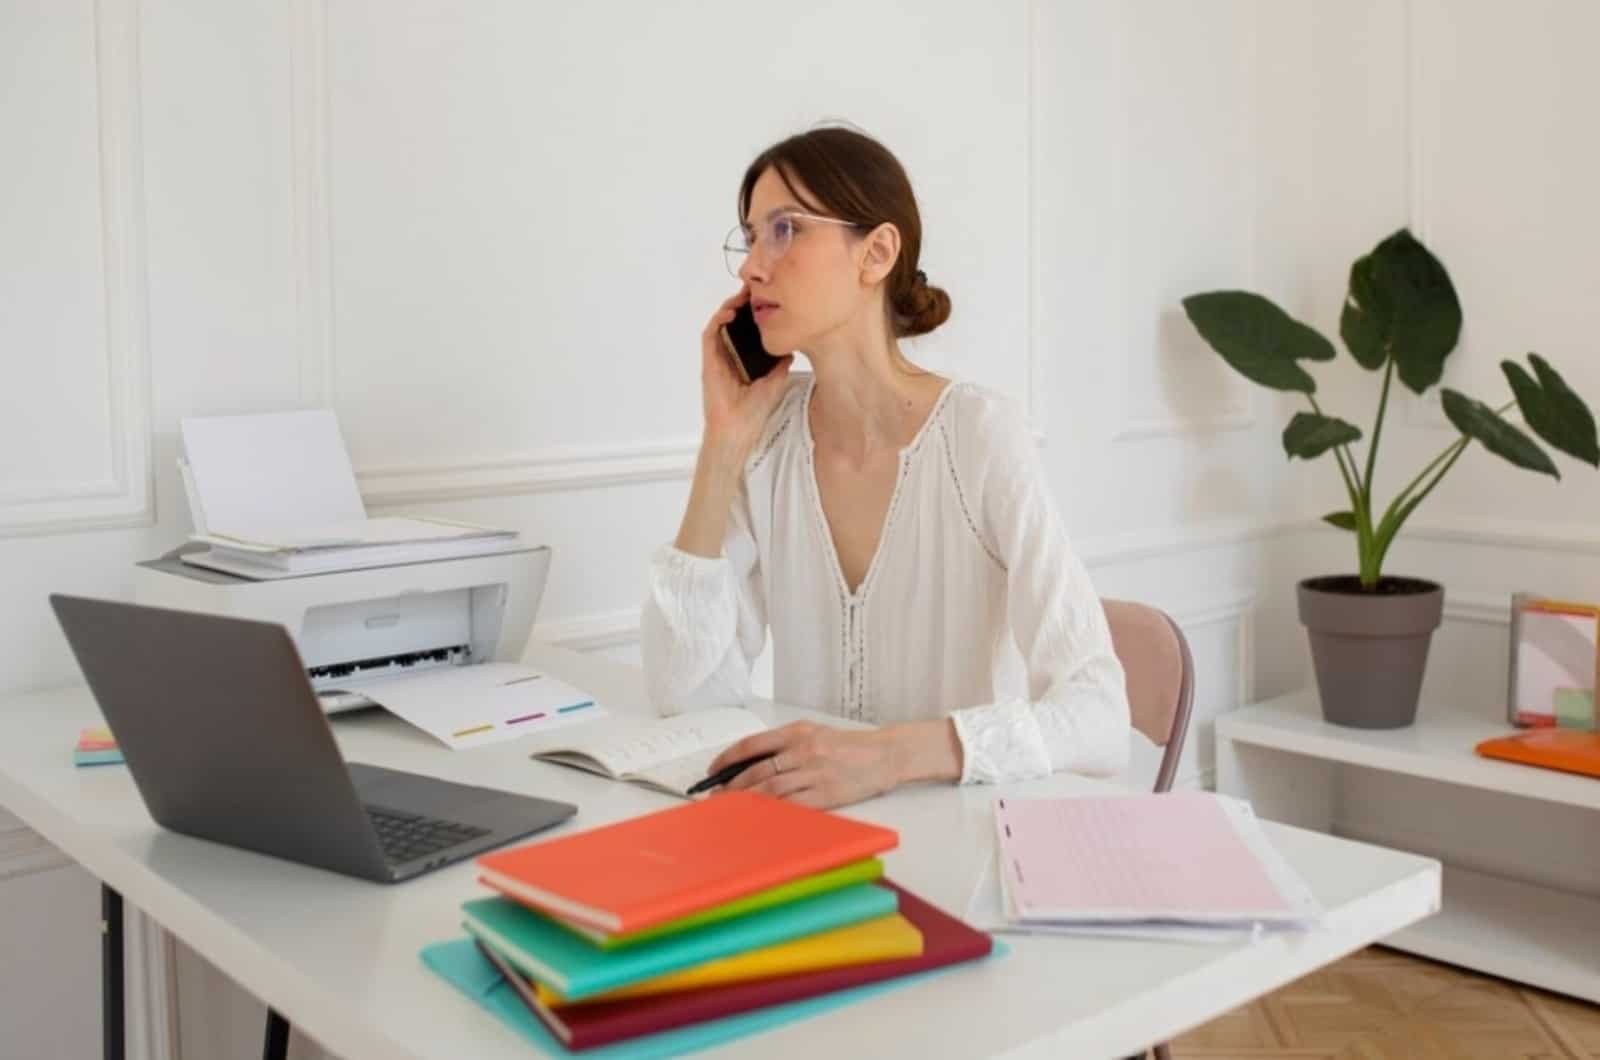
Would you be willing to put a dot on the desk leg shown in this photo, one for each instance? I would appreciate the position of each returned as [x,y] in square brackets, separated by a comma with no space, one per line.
[111,1007]
[276,1046]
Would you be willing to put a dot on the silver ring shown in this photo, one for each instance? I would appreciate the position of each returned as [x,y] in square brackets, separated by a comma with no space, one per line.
[776,768]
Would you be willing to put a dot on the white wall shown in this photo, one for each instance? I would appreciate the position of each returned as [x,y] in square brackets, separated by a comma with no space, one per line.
[487,234]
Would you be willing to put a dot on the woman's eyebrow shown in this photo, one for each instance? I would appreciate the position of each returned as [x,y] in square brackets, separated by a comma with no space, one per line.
[776,210]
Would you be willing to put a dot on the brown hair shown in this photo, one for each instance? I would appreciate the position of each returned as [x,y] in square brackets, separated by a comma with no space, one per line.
[857,179]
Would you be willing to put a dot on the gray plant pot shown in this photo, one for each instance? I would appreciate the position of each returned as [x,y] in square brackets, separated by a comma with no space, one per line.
[1370,649]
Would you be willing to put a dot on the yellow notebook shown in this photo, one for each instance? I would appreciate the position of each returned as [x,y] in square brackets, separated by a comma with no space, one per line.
[887,938]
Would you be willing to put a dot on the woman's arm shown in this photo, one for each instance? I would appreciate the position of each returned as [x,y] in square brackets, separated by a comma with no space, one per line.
[704,620]
[1075,716]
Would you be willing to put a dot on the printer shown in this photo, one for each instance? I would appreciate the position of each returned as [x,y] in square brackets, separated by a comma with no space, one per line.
[425,603]
[372,622]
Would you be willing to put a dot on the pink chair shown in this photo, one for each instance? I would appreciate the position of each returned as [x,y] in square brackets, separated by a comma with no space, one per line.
[1160,672]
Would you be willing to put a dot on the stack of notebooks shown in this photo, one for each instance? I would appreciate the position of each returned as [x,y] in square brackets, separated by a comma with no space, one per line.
[694,925]
[1185,865]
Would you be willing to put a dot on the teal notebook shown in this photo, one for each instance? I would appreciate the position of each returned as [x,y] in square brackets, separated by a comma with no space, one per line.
[460,964]
[577,968]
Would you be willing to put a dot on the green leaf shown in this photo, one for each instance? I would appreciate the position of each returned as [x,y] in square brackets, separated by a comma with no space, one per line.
[1555,413]
[1261,341]
[1481,423]
[1415,306]
[1342,520]
[1309,435]
[1365,322]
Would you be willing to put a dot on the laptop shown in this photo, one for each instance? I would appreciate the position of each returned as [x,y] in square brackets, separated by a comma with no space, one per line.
[226,741]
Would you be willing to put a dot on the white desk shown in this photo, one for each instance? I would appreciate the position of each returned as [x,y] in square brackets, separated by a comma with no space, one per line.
[338,957]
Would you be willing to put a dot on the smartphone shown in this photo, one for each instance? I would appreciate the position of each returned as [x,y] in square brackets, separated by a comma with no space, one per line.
[742,338]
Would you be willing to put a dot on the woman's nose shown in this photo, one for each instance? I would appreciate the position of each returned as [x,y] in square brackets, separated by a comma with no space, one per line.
[753,269]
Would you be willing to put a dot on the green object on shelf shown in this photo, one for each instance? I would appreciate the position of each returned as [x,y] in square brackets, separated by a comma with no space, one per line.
[1574,708]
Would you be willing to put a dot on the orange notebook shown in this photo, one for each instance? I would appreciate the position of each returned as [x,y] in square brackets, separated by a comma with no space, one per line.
[1570,750]
[648,870]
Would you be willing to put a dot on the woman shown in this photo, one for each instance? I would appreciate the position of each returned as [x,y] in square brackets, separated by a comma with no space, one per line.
[893,528]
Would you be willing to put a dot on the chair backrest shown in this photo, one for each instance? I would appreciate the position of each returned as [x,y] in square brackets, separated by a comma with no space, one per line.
[1160,673]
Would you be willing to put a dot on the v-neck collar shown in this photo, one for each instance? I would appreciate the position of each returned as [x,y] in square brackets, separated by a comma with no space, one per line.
[905,456]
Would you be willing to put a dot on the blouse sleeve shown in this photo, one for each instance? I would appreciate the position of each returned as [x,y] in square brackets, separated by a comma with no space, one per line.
[704,621]
[1076,715]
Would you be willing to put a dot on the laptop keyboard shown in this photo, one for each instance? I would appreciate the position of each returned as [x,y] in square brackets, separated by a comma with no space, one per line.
[408,836]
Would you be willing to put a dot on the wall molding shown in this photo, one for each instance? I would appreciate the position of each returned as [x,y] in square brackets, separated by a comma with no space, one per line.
[1172,425]
[1034,368]
[311,205]
[578,467]
[125,496]
[1527,534]
[1487,609]
[1138,545]
[1239,609]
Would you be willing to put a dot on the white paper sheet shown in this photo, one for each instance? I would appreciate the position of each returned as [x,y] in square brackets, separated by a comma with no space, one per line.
[484,703]
[281,469]
[987,911]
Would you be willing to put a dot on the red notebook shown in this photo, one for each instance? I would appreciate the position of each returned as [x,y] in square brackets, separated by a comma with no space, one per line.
[647,870]
[1570,750]
[945,941]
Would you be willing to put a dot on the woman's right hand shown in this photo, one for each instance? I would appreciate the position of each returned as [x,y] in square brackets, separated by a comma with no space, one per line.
[735,412]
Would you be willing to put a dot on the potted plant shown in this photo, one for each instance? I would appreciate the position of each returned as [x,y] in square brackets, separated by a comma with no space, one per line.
[1370,631]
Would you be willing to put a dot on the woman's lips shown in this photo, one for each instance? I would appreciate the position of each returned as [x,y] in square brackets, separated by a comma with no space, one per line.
[762,310]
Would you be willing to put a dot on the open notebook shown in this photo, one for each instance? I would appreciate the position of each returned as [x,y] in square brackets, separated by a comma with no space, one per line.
[669,754]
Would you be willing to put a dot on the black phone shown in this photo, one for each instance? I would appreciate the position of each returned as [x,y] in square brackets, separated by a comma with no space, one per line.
[742,338]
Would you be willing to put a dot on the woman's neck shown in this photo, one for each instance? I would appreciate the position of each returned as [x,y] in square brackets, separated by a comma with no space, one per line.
[867,398]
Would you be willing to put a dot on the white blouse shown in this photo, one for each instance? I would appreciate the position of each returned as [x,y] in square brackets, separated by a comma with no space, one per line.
[974,605]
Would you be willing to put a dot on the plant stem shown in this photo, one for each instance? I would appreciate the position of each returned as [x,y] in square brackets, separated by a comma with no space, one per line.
[1403,504]
[1347,463]
[1460,447]
[1377,432]
[1454,447]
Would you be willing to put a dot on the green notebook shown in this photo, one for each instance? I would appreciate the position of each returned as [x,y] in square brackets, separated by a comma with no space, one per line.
[864,871]
[573,967]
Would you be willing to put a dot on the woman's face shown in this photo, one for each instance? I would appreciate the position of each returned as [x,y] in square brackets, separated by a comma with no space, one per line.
[814,286]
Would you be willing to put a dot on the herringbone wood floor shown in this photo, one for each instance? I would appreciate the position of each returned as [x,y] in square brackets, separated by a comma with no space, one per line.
[1381,1004]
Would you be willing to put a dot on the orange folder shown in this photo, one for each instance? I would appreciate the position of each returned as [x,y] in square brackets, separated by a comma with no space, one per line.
[1569,750]
[648,870]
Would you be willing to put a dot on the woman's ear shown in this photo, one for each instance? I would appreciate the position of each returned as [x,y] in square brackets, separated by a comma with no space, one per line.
[878,253]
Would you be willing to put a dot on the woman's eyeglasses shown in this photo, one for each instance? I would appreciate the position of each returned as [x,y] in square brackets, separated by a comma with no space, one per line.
[770,237]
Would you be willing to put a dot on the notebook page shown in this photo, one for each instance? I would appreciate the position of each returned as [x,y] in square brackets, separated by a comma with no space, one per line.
[681,774]
[628,748]
[1177,855]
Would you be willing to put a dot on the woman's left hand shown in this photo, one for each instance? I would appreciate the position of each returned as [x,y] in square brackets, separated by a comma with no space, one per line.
[815,765]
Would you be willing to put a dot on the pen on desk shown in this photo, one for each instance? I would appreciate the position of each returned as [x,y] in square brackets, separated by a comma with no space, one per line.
[726,773]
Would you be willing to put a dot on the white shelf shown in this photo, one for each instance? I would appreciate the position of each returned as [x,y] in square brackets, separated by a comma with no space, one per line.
[1438,747]
[1520,931]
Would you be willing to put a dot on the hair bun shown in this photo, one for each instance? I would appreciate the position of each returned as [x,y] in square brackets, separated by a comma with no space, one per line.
[922,307]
